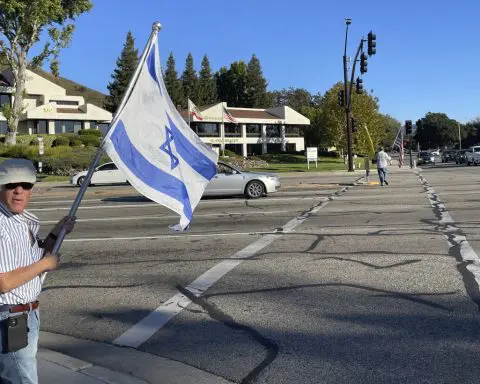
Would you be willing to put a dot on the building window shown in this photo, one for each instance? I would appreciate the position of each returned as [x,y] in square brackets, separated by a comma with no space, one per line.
[67,126]
[5,99]
[64,102]
[290,147]
[254,130]
[40,127]
[206,129]
[293,131]
[3,127]
[102,127]
[273,130]
[233,130]
[274,148]
[254,149]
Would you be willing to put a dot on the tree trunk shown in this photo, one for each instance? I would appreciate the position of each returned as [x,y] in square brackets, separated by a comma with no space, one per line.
[10,138]
[17,107]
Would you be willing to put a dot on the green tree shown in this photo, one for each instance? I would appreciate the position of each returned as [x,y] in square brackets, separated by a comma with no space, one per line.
[189,81]
[391,127]
[256,95]
[364,111]
[207,89]
[126,64]
[231,84]
[305,103]
[436,130]
[173,83]
[21,25]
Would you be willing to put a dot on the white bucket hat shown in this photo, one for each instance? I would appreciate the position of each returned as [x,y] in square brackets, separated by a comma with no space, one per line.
[17,171]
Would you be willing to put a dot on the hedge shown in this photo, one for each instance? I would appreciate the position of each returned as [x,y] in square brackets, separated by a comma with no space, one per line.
[90,132]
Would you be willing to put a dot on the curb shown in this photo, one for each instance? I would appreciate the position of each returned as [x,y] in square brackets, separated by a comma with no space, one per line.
[81,370]
[126,363]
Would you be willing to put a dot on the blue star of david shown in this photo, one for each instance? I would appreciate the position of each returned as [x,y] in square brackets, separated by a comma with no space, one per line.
[167,148]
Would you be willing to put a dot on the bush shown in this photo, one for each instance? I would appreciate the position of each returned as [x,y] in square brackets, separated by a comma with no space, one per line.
[19,151]
[60,140]
[65,161]
[229,153]
[90,132]
[76,143]
[90,141]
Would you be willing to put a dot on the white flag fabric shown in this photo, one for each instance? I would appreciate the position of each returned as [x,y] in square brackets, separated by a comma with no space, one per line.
[160,155]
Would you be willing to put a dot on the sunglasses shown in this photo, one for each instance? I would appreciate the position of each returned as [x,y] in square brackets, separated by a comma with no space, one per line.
[25,186]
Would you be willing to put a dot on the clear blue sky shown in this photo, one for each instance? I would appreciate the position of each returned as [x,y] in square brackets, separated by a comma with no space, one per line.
[427,50]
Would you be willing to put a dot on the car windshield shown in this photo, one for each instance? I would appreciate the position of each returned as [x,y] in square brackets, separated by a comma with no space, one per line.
[424,153]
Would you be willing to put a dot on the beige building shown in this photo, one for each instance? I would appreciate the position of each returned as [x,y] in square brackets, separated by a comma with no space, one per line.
[49,110]
[255,132]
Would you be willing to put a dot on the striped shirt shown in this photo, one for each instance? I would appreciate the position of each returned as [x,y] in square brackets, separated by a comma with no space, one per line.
[19,248]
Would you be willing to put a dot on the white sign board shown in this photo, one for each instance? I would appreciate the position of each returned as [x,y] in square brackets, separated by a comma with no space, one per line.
[312,155]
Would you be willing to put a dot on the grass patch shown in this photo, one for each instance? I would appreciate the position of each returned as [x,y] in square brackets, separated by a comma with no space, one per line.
[325,164]
[42,177]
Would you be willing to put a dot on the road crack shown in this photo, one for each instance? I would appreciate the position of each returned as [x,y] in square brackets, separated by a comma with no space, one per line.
[217,314]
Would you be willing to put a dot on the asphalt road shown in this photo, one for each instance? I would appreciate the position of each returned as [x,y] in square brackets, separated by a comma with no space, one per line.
[329,283]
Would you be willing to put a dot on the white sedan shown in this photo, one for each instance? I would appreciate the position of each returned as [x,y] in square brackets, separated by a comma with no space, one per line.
[227,181]
[107,173]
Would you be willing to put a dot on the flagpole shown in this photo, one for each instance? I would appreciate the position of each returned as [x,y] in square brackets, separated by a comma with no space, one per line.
[393,145]
[188,107]
[153,35]
[223,137]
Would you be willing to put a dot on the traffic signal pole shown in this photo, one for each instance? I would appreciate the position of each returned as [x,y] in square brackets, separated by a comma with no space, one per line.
[348,88]
[347,102]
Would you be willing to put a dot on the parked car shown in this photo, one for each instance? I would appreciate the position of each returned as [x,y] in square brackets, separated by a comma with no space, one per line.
[228,180]
[426,157]
[449,155]
[107,173]
[435,152]
[461,157]
[473,155]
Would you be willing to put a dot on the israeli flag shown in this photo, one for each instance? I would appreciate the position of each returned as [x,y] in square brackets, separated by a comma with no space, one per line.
[150,142]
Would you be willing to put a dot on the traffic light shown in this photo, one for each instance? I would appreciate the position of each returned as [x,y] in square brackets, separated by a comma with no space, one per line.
[354,125]
[359,85]
[408,127]
[372,43]
[341,98]
[363,63]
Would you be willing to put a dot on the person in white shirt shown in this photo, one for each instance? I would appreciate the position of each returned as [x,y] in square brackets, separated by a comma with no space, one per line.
[382,162]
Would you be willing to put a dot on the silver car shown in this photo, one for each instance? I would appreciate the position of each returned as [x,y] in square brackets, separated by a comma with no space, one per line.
[230,180]
[227,181]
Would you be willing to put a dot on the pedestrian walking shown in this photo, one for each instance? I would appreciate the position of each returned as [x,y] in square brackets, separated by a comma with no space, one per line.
[382,160]
[23,258]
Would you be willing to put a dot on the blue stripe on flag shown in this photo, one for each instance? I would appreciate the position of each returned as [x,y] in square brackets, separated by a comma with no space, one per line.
[151,67]
[190,154]
[149,174]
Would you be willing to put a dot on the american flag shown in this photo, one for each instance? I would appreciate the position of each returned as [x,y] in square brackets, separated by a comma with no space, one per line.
[194,111]
[227,116]
[399,143]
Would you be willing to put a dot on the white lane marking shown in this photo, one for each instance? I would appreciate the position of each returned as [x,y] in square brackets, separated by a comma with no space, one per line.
[162,236]
[150,324]
[60,201]
[156,217]
[141,205]
[467,253]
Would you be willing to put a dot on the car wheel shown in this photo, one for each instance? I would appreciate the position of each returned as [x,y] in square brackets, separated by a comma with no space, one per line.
[254,189]
[80,181]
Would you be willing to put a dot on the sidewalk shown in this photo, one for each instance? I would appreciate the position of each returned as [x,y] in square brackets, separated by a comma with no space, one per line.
[64,359]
